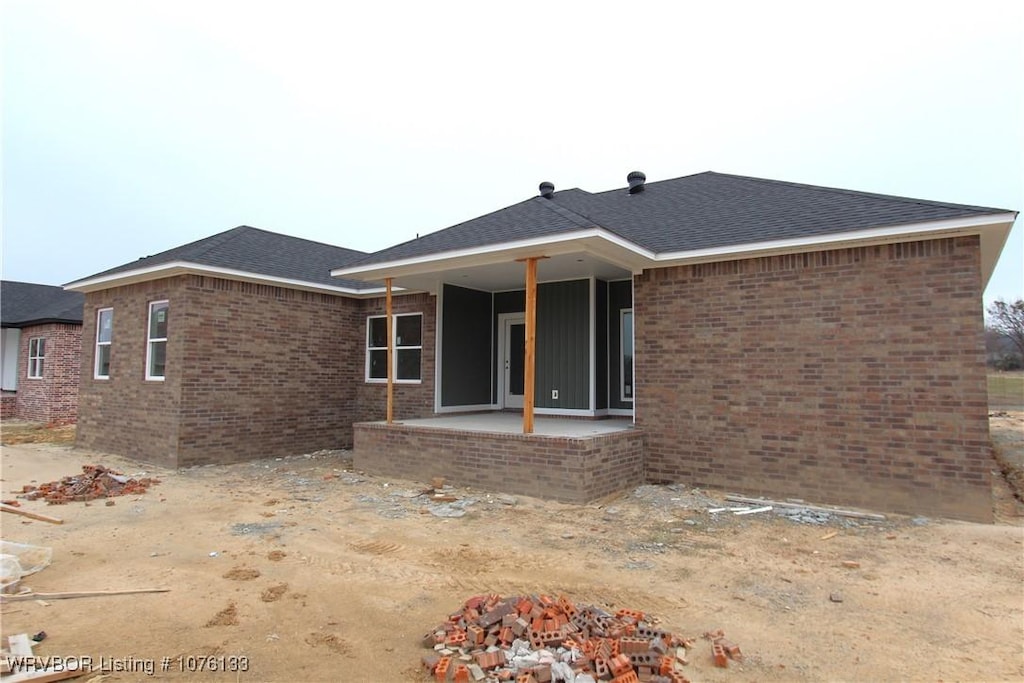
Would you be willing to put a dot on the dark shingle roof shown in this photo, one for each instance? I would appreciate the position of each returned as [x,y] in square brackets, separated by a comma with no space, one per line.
[534,217]
[259,252]
[23,304]
[701,211]
[710,210]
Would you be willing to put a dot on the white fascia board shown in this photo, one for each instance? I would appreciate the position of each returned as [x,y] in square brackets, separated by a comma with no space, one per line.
[895,233]
[175,268]
[565,242]
[615,249]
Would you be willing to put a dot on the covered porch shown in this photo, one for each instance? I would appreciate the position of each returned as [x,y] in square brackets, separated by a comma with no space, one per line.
[571,460]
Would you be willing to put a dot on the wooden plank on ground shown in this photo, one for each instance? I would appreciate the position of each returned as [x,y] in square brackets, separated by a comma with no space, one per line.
[31,515]
[71,669]
[78,594]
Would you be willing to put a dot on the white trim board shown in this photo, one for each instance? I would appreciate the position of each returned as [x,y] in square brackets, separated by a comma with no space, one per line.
[175,268]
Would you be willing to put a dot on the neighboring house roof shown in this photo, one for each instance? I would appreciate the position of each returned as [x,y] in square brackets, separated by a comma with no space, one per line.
[698,218]
[244,253]
[23,304]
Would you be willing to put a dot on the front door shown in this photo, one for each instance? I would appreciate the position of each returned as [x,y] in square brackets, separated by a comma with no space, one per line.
[513,355]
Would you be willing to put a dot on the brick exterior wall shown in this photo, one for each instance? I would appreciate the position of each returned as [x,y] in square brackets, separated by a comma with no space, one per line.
[8,405]
[850,376]
[252,371]
[54,396]
[573,470]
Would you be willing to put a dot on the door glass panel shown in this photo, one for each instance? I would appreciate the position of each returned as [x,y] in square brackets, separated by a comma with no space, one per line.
[517,358]
[627,355]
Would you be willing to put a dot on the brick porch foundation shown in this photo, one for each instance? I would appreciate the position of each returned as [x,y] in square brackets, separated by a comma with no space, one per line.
[568,469]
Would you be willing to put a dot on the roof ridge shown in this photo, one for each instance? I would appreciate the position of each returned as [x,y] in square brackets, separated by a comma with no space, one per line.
[859,193]
[569,214]
[214,241]
[294,237]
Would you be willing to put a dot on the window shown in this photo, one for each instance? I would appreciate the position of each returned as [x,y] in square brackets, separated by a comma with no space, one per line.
[408,331]
[104,334]
[36,356]
[626,360]
[156,346]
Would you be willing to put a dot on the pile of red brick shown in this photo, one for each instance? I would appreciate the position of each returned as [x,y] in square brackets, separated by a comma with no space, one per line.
[538,639]
[95,482]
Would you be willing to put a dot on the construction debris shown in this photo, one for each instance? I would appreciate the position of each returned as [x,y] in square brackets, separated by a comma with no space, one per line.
[795,509]
[23,665]
[95,482]
[539,639]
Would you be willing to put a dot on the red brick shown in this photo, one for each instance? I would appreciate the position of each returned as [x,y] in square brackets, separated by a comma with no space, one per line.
[441,671]
[718,653]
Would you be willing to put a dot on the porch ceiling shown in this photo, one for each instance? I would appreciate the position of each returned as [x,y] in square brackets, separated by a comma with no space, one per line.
[506,275]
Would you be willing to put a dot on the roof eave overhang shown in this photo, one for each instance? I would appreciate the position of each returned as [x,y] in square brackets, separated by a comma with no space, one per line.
[175,268]
[595,241]
[992,228]
[41,321]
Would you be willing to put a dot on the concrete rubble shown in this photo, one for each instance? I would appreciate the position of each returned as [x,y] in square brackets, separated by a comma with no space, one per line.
[96,481]
[540,639]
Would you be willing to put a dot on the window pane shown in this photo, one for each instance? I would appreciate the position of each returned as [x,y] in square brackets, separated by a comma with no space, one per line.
[407,330]
[378,332]
[379,364]
[105,326]
[158,321]
[103,360]
[157,359]
[408,363]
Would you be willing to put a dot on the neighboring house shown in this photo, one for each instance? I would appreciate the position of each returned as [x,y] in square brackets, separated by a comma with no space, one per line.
[762,336]
[40,350]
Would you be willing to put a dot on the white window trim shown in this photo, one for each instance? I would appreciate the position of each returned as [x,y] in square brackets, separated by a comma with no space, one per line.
[36,361]
[150,340]
[394,356]
[99,326]
[622,356]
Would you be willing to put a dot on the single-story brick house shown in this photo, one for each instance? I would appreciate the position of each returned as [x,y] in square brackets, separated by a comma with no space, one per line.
[755,335]
[40,351]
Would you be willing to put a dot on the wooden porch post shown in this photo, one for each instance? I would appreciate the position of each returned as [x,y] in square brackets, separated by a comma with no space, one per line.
[531,344]
[391,351]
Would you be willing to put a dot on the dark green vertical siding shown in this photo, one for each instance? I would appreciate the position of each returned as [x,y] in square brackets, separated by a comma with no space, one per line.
[601,344]
[465,347]
[563,344]
[620,296]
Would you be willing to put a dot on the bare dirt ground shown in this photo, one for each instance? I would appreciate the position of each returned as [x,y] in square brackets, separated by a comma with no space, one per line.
[315,573]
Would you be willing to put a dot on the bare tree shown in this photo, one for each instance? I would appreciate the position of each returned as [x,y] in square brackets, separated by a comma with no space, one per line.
[1008,320]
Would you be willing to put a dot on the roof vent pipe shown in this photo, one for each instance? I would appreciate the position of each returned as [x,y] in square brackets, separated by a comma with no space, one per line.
[636,181]
[547,189]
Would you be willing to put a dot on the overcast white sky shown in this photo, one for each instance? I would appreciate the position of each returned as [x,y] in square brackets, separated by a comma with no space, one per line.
[133,127]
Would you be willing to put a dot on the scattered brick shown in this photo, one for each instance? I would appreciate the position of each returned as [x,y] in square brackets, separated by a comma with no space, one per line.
[718,652]
[441,670]
[538,639]
[95,482]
